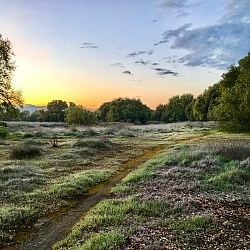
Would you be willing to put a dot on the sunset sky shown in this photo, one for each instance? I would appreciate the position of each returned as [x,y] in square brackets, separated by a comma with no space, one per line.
[92,51]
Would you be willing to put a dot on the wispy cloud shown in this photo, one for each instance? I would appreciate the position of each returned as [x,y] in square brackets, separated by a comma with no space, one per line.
[180,7]
[141,52]
[142,62]
[127,72]
[88,46]
[163,72]
[218,45]
[119,65]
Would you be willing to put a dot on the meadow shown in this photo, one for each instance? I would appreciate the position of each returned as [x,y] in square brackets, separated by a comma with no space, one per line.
[196,187]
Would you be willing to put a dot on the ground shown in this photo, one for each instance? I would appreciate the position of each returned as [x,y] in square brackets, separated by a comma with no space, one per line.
[192,194]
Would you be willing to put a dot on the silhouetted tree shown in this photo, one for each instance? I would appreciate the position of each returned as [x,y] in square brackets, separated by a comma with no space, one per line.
[56,111]
[10,99]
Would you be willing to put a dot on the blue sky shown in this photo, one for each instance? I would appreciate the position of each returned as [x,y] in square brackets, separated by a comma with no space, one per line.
[92,51]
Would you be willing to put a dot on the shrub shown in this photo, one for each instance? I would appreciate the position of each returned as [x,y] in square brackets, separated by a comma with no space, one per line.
[3,132]
[3,124]
[25,151]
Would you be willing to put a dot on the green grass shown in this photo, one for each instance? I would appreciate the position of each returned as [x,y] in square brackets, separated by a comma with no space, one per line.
[114,213]
[103,241]
[228,178]
[146,170]
[189,228]
[79,183]
[37,201]
[10,214]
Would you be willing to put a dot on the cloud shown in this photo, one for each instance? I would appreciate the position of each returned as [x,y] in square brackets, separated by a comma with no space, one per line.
[218,45]
[141,52]
[119,65]
[155,64]
[88,46]
[163,72]
[141,62]
[127,72]
[180,7]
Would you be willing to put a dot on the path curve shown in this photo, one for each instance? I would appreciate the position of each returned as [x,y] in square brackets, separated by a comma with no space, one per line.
[51,229]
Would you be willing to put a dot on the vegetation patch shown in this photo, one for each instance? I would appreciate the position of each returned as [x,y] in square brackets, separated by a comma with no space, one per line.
[114,213]
[104,241]
[26,151]
[79,183]
[95,144]
[188,228]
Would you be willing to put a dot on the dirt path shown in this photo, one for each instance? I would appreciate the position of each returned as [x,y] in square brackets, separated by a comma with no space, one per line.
[48,230]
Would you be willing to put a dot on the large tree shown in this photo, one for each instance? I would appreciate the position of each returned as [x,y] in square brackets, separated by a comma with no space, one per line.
[9,97]
[233,109]
[56,111]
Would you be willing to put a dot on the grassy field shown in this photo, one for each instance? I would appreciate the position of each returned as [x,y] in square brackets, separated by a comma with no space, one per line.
[44,167]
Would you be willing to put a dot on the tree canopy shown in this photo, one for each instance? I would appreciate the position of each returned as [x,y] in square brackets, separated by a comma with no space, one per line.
[9,97]
[124,110]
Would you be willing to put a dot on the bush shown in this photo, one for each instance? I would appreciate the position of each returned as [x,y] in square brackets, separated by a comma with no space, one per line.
[3,124]
[25,151]
[3,133]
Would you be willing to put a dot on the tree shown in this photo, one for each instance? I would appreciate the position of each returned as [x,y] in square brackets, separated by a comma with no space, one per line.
[102,112]
[56,111]
[233,105]
[125,110]
[10,99]
[204,104]
[176,109]
[79,116]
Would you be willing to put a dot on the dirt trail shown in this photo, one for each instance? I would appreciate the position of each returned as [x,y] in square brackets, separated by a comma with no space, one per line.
[53,228]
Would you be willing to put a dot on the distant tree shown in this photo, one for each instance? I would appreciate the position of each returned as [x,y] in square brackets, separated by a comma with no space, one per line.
[56,111]
[10,99]
[102,112]
[79,116]
[158,113]
[126,110]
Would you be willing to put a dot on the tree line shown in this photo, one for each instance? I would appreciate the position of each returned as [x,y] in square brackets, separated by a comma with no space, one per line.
[227,101]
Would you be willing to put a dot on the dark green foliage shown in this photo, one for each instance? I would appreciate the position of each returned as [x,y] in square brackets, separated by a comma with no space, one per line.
[229,100]
[3,132]
[178,109]
[25,151]
[204,104]
[124,110]
[79,116]
[9,98]
[55,111]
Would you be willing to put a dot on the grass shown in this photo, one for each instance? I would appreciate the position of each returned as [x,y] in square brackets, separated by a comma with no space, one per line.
[95,144]
[229,178]
[104,241]
[114,213]
[31,187]
[188,229]
[78,183]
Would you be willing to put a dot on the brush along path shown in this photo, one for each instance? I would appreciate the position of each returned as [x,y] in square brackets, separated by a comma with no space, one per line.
[55,227]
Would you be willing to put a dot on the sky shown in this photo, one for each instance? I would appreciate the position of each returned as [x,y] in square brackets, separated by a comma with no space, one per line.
[93,51]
